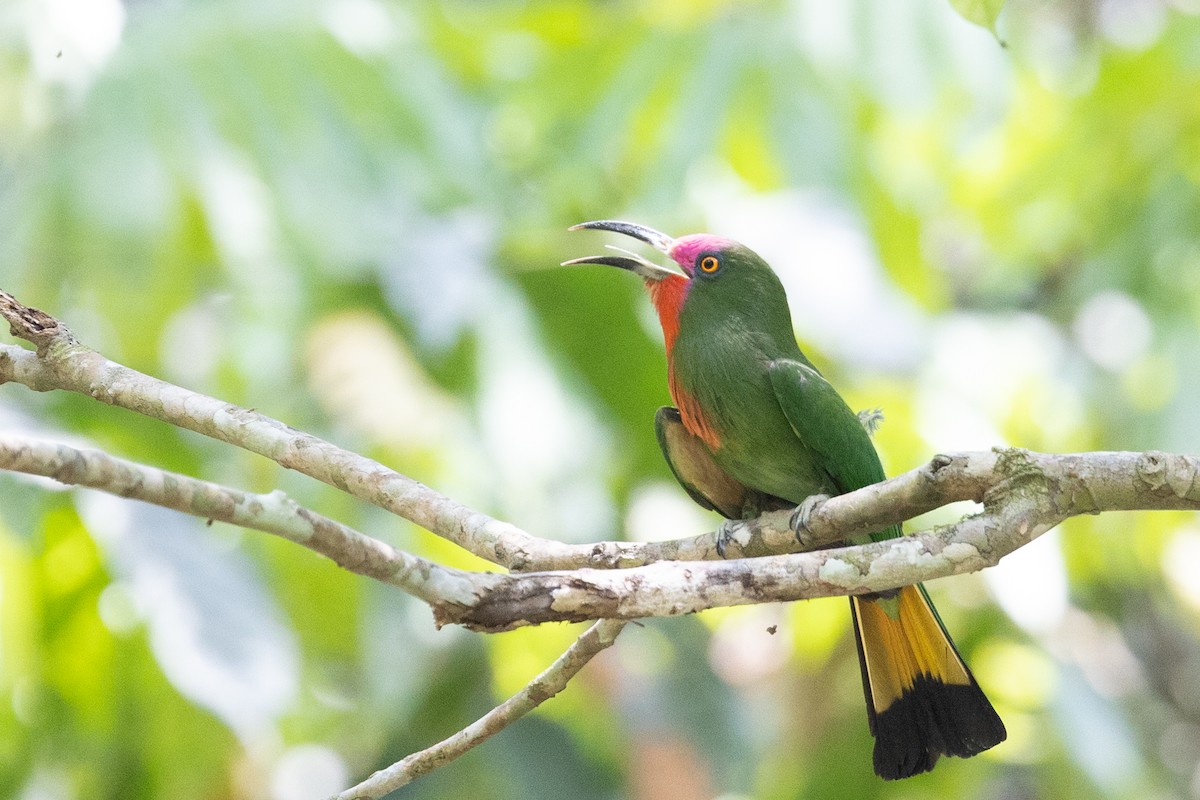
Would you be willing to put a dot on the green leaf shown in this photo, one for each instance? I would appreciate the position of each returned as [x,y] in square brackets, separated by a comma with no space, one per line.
[982,12]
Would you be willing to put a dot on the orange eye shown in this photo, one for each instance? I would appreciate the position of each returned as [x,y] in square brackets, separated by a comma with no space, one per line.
[709,264]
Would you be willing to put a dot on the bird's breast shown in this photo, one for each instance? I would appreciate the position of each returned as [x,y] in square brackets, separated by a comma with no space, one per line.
[730,405]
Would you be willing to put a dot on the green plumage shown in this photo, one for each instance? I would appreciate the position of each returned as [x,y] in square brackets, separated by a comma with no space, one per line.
[784,430]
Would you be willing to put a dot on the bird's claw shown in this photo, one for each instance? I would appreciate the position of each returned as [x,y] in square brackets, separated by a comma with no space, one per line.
[725,536]
[803,514]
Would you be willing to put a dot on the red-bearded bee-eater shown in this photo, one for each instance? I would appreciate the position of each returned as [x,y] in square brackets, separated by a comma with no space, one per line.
[756,427]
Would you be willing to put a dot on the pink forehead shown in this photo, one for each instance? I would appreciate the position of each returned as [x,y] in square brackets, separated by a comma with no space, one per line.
[686,248]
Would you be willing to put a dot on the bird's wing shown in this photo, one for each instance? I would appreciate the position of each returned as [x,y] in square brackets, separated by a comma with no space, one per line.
[692,465]
[826,425]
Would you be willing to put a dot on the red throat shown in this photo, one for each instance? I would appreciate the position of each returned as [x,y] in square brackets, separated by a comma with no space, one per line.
[668,296]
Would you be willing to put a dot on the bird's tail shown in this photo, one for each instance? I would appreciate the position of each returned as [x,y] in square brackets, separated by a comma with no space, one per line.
[922,701]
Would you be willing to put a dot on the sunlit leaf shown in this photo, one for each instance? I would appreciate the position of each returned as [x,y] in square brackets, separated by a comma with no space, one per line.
[982,12]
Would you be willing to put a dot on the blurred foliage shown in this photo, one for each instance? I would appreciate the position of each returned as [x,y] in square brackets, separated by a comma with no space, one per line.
[347,214]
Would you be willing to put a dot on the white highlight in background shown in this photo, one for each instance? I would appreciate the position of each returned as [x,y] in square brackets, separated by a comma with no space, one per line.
[1031,585]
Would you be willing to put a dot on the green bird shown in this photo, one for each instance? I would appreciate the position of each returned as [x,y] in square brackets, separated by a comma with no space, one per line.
[756,427]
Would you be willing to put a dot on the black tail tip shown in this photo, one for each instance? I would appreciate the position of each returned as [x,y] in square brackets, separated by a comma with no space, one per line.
[933,719]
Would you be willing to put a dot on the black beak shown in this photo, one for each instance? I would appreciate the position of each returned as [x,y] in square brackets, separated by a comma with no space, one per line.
[630,261]
[659,241]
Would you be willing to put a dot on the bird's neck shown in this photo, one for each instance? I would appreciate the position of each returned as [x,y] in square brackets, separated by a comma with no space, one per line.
[668,296]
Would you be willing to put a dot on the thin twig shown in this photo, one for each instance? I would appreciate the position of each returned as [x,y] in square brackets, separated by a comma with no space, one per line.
[549,683]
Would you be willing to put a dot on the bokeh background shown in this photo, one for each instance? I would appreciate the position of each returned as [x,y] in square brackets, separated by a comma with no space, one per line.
[348,214]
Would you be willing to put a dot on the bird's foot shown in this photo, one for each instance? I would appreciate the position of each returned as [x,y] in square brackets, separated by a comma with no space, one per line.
[725,535]
[803,513]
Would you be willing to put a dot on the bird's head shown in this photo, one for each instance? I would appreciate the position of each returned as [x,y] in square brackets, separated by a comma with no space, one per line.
[720,280]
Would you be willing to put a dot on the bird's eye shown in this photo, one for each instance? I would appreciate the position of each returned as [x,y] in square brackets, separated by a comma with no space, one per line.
[709,264]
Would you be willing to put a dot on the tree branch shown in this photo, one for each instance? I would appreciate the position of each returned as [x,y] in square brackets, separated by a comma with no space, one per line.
[549,683]
[1023,495]
[273,513]
[441,587]
[61,362]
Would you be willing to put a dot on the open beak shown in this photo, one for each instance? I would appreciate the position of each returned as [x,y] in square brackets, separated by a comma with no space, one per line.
[629,260]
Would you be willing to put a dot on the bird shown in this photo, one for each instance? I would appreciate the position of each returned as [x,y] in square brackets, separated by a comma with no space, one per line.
[756,427]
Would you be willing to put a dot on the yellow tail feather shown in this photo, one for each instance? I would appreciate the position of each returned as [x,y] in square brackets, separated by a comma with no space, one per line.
[901,641]
[922,701]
